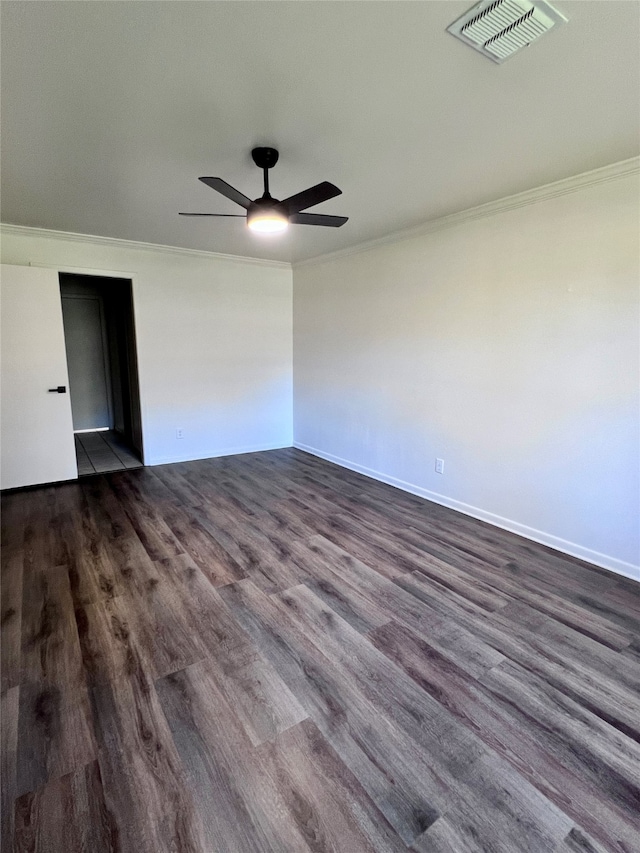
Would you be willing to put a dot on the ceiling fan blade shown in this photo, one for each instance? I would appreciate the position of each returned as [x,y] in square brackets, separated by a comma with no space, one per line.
[241,215]
[314,195]
[317,219]
[227,190]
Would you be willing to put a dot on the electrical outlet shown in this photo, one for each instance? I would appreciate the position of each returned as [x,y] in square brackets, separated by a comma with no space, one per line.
[439,466]
[179,433]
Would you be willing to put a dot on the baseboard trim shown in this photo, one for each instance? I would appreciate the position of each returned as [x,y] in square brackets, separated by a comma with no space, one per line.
[604,561]
[213,454]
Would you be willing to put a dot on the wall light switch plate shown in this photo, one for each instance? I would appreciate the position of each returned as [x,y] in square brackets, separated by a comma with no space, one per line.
[439,466]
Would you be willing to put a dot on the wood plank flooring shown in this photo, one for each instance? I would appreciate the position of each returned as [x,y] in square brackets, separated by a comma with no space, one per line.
[270,653]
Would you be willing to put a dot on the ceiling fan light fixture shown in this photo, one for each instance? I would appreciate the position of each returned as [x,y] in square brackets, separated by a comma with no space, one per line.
[267,221]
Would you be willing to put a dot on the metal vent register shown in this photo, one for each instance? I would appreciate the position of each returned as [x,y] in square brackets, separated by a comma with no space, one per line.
[499,28]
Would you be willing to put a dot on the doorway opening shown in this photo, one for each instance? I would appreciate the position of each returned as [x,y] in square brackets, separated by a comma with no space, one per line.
[99,332]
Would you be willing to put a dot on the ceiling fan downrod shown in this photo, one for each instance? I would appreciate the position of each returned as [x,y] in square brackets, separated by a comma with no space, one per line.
[265,159]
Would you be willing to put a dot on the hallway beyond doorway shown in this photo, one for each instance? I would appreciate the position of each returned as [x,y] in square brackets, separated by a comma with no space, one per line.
[102,451]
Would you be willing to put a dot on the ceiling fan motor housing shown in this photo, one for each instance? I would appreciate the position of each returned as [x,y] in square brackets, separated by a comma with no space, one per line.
[266,203]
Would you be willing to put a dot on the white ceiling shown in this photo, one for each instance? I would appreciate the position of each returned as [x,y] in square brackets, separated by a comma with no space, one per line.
[111,111]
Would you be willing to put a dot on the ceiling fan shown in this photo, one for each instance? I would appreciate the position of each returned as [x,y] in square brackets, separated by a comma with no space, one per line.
[269,215]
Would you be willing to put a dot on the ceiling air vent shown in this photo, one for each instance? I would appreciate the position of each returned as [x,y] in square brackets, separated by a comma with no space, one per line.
[499,28]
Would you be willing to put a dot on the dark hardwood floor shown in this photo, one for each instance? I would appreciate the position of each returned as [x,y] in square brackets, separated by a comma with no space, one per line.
[270,653]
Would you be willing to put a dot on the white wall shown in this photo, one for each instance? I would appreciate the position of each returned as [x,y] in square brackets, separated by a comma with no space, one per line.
[214,341]
[507,345]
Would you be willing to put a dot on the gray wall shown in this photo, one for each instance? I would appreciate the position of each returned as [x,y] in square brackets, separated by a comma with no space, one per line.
[87,356]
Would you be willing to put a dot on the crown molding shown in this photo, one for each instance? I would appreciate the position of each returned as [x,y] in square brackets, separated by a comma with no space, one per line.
[547,191]
[115,243]
[558,188]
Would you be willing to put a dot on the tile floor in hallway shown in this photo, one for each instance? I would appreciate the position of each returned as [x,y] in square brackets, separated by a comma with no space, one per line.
[102,451]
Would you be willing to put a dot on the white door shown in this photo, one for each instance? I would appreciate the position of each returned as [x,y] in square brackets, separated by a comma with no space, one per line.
[36,444]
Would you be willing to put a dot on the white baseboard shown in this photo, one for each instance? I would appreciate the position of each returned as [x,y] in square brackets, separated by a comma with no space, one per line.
[603,561]
[212,454]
